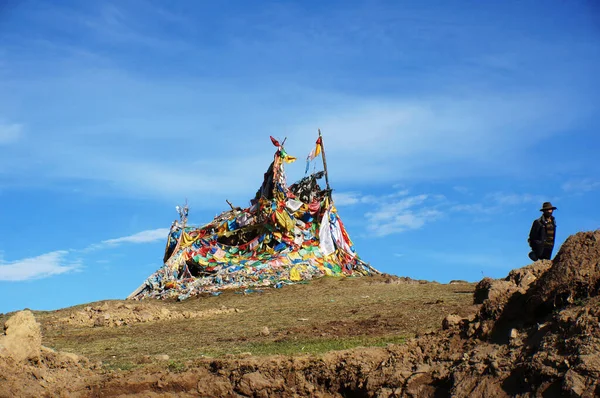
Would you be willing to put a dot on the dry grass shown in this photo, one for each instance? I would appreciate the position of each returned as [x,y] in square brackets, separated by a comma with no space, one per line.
[323,315]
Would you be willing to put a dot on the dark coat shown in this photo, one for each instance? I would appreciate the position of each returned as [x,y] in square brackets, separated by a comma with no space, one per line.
[537,235]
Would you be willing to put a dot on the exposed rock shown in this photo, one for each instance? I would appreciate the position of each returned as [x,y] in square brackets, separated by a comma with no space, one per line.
[252,383]
[451,321]
[118,314]
[524,277]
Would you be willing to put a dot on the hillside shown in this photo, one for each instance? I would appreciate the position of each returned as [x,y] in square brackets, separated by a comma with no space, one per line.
[309,318]
[330,313]
[534,333]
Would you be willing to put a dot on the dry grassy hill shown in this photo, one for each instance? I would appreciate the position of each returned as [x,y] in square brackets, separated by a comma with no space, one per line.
[314,317]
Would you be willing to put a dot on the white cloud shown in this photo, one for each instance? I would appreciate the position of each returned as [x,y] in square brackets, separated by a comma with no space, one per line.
[10,133]
[353,198]
[474,208]
[45,265]
[396,213]
[398,216]
[514,199]
[346,198]
[57,262]
[148,236]
[462,125]
[497,201]
[367,140]
[581,186]
[381,140]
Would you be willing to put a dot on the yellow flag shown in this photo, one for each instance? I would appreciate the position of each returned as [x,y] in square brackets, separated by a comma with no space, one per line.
[295,274]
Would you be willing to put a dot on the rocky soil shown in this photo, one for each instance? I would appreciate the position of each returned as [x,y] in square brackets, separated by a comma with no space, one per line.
[107,315]
[536,333]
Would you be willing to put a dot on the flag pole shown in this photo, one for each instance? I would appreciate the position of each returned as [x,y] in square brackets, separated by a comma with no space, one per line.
[324,162]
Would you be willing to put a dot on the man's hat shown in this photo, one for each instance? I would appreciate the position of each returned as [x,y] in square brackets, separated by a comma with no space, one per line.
[547,206]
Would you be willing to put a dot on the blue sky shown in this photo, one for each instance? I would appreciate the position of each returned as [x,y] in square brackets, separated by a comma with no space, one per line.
[446,125]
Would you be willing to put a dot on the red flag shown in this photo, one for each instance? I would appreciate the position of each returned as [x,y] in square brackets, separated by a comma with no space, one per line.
[319,141]
[274,141]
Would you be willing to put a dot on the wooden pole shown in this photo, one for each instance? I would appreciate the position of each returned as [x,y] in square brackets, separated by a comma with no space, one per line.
[324,161]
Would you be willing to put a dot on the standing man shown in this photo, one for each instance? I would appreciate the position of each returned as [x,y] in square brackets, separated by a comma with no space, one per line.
[542,234]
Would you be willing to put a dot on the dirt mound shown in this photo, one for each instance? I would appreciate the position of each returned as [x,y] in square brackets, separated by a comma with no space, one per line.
[529,294]
[28,369]
[22,337]
[119,314]
[517,280]
[575,274]
[399,280]
[496,294]
[540,325]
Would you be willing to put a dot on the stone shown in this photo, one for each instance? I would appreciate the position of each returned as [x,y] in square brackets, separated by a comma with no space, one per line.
[251,383]
[451,321]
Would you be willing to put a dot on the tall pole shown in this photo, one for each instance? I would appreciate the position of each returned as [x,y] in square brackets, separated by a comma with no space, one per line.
[324,160]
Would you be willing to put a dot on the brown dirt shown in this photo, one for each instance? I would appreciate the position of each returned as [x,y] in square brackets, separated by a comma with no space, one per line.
[536,333]
[22,339]
[29,369]
[121,314]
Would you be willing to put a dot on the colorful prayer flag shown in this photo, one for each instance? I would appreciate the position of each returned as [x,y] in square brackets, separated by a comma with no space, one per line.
[316,150]
[286,158]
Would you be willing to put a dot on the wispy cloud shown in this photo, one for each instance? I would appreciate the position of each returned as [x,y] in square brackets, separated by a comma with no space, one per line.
[427,132]
[377,139]
[9,132]
[148,236]
[497,201]
[580,186]
[513,199]
[461,189]
[399,212]
[352,198]
[43,266]
[120,25]
[59,262]
[474,208]
[391,217]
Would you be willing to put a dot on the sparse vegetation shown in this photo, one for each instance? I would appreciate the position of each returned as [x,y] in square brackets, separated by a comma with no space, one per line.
[324,315]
